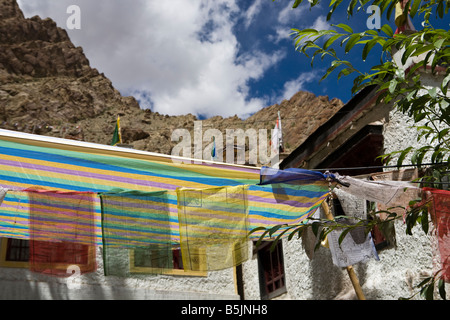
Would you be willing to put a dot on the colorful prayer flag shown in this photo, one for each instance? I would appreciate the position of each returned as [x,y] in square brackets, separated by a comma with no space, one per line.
[117,135]
[136,225]
[286,197]
[62,232]
[440,215]
[213,227]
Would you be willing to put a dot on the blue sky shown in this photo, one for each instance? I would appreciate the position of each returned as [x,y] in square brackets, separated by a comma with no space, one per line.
[205,57]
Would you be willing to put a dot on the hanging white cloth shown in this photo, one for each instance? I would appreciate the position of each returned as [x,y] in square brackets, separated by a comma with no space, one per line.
[386,192]
[355,247]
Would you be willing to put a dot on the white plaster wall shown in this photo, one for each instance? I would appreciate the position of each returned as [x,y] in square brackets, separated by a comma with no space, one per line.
[399,132]
[251,279]
[392,277]
[20,283]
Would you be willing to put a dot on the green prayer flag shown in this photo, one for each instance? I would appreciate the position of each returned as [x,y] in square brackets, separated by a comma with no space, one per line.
[117,137]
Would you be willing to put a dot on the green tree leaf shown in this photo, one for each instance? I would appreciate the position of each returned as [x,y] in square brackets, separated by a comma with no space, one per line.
[368,47]
[402,156]
[343,234]
[297,3]
[392,85]
[351,42]
[387,30]
[424,221]
[331,40]
[415,6]
[441,288]
[345,27]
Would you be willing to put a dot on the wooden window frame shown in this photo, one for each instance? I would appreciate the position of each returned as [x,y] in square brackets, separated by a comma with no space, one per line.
[26,264]
[7,263]
[172,272]
[262,250]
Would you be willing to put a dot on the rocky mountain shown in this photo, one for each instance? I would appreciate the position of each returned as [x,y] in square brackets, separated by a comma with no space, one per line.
[48,87]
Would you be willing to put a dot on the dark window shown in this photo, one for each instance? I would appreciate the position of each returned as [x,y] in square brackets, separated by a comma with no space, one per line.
[18,250]
[271,270]
[47,257]
[177,260]
[157,259]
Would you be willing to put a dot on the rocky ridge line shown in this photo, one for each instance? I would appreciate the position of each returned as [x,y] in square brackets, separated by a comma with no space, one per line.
[48,87]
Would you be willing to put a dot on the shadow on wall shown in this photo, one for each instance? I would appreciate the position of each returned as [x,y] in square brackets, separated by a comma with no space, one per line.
[333,283]
[22,284]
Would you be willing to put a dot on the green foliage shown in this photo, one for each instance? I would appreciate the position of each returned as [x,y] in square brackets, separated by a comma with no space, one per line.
[428,108]
[428,286]
[320,227]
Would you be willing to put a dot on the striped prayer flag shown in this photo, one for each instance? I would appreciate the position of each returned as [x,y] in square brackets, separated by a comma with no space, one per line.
[59,165]
[60,227]
[283,204]
[286,197]
[15,215]
[138,225]
[133,218]
[57,216]
[213,227]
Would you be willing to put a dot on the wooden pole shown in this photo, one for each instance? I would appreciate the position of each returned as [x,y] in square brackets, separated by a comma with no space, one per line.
[350,270]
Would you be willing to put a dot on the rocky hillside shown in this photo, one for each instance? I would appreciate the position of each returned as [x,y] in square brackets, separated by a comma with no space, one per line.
[48,87]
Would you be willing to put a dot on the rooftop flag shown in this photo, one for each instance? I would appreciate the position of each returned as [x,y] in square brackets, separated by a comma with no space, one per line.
[117,135]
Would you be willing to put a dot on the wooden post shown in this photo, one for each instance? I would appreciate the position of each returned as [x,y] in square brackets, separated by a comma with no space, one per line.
[350,270]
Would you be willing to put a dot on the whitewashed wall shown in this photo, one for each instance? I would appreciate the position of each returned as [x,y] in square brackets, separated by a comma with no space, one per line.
[392,277]
[20,283]
[398,131]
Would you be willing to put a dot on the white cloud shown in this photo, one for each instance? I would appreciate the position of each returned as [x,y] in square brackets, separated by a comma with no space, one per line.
[321,23]
[281,33]
[287,19]
[252,12]
[177,56]
[288,15]
[293,86]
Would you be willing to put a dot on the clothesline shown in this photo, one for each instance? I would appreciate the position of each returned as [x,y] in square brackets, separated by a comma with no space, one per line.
[380,167]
